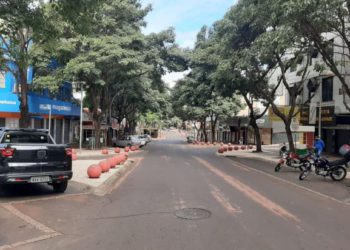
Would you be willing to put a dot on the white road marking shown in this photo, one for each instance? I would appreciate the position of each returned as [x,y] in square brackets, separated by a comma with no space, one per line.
[251,193]
[224,201]
[49,232]
[345,202]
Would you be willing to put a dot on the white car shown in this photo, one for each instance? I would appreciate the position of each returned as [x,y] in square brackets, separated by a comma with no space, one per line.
[145,137]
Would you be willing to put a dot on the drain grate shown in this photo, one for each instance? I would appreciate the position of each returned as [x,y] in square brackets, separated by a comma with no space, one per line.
[193,213]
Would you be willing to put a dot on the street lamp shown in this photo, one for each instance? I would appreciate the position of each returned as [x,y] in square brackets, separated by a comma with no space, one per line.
[81,112]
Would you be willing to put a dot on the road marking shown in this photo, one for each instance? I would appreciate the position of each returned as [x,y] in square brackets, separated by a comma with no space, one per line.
[241,167]
[223,200]
[165,157]
[28,219]
[345,202]
[251,193]
[49,232]
[55,197]
[33,240]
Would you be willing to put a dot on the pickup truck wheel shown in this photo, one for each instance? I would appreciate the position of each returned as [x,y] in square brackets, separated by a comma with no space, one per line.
[60,187]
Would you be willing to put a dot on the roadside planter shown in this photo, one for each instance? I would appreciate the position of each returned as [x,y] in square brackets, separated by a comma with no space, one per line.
[221,150]
[225,148]
[126,149]
[105,151]
[104,165]
[236,148]
[251,147]
[117,150]
[94,171]
[133,148]
[230,148]
[243,147]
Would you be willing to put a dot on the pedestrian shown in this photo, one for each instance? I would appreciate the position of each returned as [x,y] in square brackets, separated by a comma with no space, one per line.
[319,146]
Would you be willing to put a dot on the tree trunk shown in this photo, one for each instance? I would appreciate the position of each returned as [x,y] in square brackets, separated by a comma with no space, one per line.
[257,135]
[205,131]
[22,91]
[96,116]
[290,137]
[213,129]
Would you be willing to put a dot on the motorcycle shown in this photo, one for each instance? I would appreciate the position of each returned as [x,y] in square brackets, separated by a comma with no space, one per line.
[323,167]
[293,160]
[283,150]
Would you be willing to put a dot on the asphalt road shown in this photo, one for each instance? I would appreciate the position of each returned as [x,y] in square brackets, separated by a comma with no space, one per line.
[234,204]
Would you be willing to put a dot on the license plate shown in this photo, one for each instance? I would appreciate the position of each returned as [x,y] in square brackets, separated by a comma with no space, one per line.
[40,179]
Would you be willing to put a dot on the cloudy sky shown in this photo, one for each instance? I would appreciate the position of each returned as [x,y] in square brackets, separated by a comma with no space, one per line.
[187,17]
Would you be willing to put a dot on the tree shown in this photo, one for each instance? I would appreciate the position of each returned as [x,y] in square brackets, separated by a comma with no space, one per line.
[23,22]
[240,70]
[26,26]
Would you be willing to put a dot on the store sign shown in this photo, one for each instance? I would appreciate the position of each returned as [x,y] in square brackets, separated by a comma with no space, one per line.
[284,110]
[310,116]
[327,116]
[54,107]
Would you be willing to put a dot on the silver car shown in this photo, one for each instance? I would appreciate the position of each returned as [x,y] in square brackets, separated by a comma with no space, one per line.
[126,141]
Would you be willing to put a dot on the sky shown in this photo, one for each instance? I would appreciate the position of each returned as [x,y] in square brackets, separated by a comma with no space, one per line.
[187,17]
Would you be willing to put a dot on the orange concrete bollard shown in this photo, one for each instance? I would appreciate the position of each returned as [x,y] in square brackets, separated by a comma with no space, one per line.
[221,150]
[74,157]
[111,162]
[117,150]
[126,149]
[230,148]
[104,165]
[105,151]
[94,171]
[243,147]
[236,148]
[133,148]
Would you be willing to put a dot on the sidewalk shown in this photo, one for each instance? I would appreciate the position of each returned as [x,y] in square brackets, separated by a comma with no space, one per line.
[87,158]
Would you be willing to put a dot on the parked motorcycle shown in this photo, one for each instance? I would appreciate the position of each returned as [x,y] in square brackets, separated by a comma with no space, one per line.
[283,150]
[323,167]
[293,160]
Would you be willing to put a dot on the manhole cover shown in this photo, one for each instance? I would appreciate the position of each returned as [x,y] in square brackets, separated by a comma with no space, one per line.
[192,213]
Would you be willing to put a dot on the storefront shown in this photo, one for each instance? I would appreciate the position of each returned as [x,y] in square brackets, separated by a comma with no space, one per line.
[64,115]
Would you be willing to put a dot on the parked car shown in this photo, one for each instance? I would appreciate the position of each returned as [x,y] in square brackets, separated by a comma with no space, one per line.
[145,137]
[32,156]
[190,139]
[126,141]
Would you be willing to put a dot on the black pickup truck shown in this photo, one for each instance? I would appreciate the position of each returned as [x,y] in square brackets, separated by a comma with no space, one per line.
[32,156]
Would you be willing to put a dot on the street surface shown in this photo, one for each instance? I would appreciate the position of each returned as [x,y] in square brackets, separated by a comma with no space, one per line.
[242,204]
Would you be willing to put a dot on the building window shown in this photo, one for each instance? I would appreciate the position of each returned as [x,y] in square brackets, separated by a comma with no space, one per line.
[327,89]
[2,122]
[2,80]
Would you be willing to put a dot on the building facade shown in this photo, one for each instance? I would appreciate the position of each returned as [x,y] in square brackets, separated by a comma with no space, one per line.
[44,107]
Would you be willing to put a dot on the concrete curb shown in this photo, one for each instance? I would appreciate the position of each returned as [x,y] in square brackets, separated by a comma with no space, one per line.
[108,184]
[250,155]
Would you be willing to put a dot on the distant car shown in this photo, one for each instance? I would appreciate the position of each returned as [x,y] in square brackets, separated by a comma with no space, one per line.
[142,141]
[126,141]
[146,137]
[190,139]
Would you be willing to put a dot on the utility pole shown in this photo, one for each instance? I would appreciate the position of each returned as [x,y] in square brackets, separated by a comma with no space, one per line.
[81,117]
[50,119]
